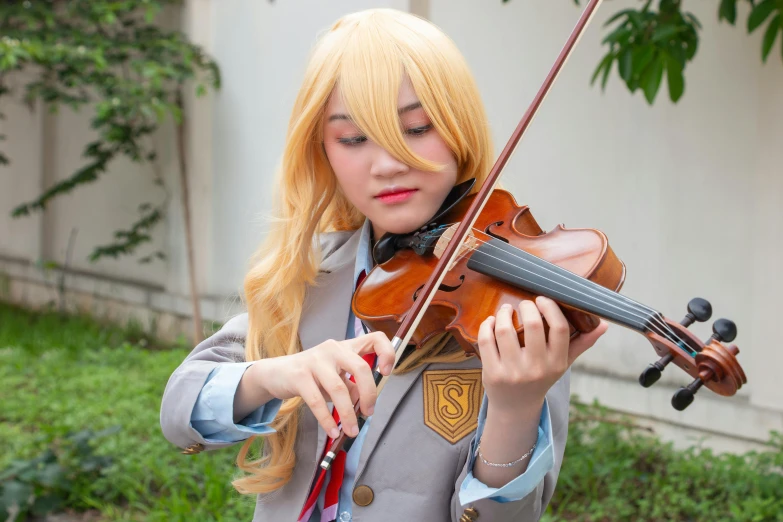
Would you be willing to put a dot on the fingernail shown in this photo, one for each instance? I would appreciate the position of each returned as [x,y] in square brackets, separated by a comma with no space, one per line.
[387,369]
[370,410]
[355,430]
[334,433]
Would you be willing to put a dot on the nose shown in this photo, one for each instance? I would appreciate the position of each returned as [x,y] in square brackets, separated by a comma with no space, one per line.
[386,165]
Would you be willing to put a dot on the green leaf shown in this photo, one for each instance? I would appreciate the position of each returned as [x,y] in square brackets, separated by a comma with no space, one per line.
[728,11]
[642,57]
[605,65]
[47,504]
[16,493]
[675,79]
[760,13]
[51,475]
[769,37]
[625,64]
[665,32]
[607,70]
[651,81]
[618,36]
[618,15]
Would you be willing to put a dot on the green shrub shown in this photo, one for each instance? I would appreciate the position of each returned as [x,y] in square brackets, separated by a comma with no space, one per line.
[614,470]
[54,479]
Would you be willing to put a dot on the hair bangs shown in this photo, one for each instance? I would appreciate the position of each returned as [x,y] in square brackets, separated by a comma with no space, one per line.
[371,73]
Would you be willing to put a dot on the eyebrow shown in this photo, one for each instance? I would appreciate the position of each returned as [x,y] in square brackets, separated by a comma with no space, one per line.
[403,110]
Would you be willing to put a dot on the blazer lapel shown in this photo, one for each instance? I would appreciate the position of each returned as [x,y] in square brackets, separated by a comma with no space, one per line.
[389,399]
[325,316]
[327,305]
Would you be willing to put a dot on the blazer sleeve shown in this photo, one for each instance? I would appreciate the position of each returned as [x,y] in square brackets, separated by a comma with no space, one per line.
[213,413]
[532,506]
[225,346]
[182,390]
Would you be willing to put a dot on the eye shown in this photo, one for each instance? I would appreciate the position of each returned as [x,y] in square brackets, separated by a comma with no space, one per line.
[356,140]
[418,131]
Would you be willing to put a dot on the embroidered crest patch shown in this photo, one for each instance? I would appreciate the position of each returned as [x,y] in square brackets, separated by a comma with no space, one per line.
[452,399]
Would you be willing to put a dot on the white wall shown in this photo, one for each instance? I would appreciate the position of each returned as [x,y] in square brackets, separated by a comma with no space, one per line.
[20,181]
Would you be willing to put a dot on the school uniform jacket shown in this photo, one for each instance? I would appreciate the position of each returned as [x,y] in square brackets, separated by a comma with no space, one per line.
[421,443]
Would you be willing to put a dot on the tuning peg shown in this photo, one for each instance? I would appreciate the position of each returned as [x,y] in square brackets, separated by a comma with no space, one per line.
[723,330]
[698,310]
[684,396]
[652,373]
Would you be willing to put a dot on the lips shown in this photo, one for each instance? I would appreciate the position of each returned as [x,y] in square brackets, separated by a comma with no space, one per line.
[394,190]
[391,195]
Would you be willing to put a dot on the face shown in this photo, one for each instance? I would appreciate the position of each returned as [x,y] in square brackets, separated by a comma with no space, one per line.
[395,197]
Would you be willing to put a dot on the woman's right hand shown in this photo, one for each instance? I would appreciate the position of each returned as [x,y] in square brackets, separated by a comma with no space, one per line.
[319,375]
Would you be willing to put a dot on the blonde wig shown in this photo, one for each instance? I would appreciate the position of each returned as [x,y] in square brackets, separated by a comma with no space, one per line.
[368,53]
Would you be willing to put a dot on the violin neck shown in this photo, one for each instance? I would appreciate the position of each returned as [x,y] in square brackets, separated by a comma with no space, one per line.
[504,262]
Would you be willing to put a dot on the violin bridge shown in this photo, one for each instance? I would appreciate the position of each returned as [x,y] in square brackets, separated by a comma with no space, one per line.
[470,243]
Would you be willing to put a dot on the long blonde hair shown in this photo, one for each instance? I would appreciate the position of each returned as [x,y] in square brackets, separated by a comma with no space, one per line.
[368,53]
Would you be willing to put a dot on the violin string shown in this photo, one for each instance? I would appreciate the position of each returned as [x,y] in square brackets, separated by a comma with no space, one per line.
[607,292]
[652,315]
[653,326]
[593,286]
[661,328]
[599,290]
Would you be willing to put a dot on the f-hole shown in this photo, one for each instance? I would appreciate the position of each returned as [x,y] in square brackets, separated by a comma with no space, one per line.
[490,233]
[442,287]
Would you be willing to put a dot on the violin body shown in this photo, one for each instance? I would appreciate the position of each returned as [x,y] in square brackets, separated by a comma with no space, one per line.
[465,298]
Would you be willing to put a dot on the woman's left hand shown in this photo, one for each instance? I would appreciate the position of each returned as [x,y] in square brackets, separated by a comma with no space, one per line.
[517,376]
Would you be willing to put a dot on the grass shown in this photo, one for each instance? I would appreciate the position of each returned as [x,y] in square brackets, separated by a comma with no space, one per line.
[59,375]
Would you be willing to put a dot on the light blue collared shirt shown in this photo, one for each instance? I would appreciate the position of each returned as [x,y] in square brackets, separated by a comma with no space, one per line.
[212,417]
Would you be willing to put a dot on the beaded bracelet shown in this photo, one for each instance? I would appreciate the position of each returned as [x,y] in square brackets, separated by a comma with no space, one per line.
[520,459]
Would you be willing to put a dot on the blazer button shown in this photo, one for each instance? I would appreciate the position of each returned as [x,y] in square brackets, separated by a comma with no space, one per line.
[193,449]
[469,515]
[363,495]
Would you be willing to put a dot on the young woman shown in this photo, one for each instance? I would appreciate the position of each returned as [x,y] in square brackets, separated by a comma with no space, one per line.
[388,119]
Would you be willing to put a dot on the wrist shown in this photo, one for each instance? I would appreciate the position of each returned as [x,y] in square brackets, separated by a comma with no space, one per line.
[521,412]
[260,377]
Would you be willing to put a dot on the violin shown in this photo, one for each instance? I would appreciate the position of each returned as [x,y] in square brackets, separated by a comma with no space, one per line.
[482,250]
[508,258]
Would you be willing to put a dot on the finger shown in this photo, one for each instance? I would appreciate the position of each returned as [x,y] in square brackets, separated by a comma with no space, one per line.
[535,339]
[334,386]
[488,349]
[362,374]
[580,344]
[353,390]
[314,399]
[559,330]
[376,342]
[506,336]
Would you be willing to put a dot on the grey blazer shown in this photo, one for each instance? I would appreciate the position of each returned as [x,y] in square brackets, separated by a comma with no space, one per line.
[412,462]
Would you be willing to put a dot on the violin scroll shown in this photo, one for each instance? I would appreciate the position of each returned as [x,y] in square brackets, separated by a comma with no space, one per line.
[711,364]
